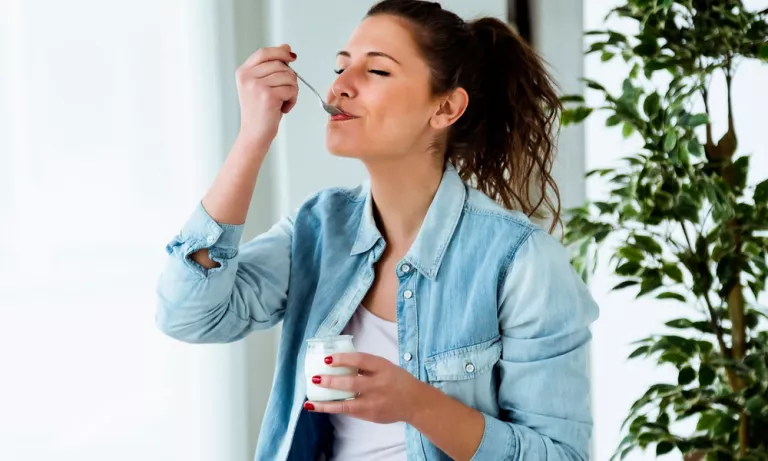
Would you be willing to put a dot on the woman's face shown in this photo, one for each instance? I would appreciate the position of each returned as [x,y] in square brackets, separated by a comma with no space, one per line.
[384,87]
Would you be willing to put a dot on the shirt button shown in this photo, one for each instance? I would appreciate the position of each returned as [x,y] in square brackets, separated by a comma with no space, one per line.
[408,294]
[211,239]
[470,368]
[407,356]
[405,268]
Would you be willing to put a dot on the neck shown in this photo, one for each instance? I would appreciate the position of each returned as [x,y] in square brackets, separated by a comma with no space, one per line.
[402,193]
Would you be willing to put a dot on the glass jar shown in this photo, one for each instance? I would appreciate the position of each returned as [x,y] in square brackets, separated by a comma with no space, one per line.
[314,364]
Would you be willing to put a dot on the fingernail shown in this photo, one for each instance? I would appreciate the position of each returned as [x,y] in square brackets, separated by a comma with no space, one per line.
[329,360]
[309,406]
[293,55]
[316,379]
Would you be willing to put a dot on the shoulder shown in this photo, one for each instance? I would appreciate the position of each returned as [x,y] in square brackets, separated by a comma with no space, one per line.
[480,205]
[505,231]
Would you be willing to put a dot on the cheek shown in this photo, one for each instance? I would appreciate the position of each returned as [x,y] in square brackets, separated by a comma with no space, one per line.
[398,117]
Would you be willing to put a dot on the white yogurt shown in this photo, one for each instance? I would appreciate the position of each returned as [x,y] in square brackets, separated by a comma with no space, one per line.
[314,364]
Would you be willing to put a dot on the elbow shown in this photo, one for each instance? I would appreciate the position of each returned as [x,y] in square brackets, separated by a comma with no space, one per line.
[174,324]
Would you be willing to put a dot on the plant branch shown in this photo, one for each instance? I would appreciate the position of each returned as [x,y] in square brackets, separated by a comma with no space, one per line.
[713,319]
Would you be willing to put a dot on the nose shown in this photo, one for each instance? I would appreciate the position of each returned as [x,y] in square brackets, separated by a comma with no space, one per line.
[343,87]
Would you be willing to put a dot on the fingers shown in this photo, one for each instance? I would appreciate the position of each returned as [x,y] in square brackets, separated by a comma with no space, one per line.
[364,362]
[349,407]
[279,53]
[280,79]
[268,68]
[351,383]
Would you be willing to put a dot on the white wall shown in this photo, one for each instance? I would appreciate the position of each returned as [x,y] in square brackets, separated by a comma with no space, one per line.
[616,381]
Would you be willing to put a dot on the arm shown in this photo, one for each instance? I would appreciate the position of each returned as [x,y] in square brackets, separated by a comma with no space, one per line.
[211,290]
[544,314]
[247,289]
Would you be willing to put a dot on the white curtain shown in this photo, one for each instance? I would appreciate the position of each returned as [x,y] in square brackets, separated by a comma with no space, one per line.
[111,129]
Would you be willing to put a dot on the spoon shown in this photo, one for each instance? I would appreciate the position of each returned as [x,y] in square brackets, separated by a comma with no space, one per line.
[333,110]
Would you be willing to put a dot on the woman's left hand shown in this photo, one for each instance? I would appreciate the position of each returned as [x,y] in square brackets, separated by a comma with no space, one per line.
[387,393]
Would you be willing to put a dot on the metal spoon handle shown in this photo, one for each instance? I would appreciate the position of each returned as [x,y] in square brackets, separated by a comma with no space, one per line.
[310,86]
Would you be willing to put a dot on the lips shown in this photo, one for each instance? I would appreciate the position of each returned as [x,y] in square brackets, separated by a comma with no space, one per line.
[342,117]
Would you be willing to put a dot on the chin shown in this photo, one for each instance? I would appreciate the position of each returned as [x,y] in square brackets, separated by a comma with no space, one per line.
[341,146]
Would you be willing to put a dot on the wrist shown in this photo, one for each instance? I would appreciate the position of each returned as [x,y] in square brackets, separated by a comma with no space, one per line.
[423,398]
[254,144]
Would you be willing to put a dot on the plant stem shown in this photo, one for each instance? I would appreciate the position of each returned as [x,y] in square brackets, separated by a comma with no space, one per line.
[725,149]
[717,328]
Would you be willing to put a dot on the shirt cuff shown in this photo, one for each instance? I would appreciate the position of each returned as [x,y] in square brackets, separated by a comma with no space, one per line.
[201,231]
[498,441]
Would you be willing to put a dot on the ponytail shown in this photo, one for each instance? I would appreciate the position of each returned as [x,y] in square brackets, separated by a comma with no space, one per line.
[503,144]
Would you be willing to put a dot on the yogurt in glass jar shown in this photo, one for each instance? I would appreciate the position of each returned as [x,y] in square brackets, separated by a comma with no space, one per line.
[314,364]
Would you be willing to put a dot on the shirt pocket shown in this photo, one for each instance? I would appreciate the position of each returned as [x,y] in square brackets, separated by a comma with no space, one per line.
[467,374]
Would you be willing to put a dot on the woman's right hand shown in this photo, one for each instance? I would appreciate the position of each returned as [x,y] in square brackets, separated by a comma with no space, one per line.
[267,88]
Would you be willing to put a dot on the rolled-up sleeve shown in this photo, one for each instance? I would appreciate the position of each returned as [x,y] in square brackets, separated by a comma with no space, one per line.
[544,393]
[246,292]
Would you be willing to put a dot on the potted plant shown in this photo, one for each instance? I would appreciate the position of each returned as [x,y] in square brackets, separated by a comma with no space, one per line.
[682,224]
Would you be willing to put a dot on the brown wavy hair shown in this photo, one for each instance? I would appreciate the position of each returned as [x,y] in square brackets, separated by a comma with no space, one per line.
[504,143]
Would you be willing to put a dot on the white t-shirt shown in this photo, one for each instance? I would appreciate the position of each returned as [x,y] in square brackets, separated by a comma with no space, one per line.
[356,439]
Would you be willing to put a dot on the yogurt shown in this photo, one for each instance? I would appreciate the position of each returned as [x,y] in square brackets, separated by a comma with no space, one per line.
[314,364]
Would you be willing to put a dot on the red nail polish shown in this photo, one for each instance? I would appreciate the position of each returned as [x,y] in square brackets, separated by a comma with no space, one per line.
[316,379]
[293,55]
[309,406]
[329,360]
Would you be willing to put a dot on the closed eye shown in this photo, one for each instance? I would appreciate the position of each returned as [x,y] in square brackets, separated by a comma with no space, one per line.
[373,71]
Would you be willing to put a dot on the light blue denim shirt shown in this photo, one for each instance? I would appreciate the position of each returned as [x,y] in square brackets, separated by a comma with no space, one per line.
[489,311]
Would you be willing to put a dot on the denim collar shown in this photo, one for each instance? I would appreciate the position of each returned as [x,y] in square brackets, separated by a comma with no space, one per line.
[436,231]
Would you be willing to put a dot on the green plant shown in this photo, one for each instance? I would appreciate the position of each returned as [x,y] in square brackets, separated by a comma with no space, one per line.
[684,224]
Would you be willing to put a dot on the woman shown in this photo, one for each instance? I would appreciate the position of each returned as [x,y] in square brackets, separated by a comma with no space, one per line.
[470,324]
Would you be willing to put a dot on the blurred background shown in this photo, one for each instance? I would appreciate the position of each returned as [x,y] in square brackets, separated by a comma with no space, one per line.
[114,118]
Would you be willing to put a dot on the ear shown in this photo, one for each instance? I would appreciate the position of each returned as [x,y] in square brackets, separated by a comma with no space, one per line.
[450,109]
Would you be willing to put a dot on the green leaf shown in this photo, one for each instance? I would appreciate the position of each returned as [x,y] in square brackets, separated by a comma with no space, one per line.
[627,130]
[695,148]
[606,56]
[761,193]
[670,140]
[679,323]
[594,85]
[651,105]
[755,404]
[642,350]
[613,120]
[686,376]
[671,295]
[575,115]
[664,447]
[647,244]
[763,52]
[631,254]
[707,421]
[625,284]
[628,269]
[648,285]
[673,272]
[695,120]
[675,358]
[706,375]
[572,98]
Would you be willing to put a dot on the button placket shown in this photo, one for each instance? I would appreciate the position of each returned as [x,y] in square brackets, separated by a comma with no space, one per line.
[409,358]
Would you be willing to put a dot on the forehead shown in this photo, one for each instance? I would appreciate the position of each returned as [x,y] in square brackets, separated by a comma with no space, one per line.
[386,34]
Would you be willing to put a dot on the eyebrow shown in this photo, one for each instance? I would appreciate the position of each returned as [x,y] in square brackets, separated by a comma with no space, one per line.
[372,54]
